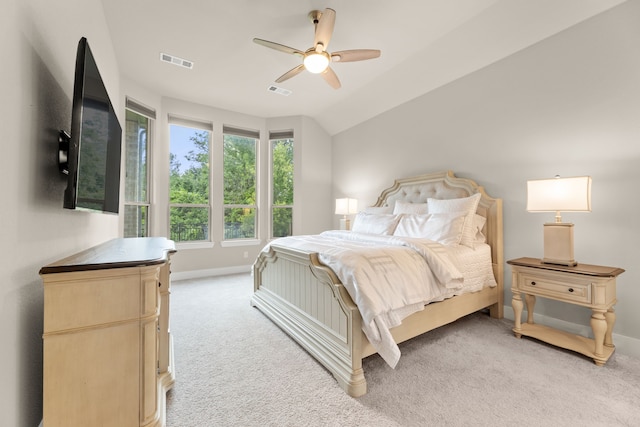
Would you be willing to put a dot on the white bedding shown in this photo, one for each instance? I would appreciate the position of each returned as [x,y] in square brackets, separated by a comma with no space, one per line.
[475,266]
[390,277]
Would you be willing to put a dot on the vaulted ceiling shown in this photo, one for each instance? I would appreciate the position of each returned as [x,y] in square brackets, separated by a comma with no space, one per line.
[425,44]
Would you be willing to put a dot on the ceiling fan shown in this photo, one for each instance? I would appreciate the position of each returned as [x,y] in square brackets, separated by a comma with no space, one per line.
[316,59]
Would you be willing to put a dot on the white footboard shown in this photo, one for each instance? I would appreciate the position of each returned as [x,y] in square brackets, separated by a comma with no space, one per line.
[306,300]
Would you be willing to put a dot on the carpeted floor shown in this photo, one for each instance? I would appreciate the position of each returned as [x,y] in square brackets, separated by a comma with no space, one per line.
[234,367]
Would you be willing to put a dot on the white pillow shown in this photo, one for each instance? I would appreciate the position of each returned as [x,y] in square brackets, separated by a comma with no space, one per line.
[445,228]
[409,208]
[375,223]
[378,210]
[466,205]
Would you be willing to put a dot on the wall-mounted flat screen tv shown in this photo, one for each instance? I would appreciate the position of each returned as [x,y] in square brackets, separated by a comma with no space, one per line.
[90,156]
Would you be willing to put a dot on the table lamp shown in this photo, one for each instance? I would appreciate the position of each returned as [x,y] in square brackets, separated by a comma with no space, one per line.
[346,207]
[559,195]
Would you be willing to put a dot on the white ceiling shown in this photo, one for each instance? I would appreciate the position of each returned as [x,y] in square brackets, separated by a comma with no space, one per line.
[425,44]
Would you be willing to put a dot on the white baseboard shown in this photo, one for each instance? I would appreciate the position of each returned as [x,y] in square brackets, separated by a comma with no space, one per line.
[624,344]
[197,274]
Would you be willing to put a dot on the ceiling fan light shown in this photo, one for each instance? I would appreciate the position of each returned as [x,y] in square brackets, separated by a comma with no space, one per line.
[316,62]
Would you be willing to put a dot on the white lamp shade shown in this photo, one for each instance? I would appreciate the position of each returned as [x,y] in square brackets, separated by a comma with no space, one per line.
[346,206]
[559,194]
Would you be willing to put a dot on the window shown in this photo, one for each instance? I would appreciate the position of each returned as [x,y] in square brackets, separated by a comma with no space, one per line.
[240,172]
[139,122]
[189,180]
[281,183]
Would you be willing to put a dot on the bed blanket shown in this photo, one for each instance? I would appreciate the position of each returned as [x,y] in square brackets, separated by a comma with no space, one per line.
[387,277]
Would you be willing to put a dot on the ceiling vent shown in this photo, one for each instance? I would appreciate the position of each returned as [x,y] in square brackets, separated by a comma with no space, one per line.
[165,57]
[279,90]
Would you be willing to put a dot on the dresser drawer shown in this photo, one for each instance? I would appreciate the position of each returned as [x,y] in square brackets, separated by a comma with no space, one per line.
[570,289]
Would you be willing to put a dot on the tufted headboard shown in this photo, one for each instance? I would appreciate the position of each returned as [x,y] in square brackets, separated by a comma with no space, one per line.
[445,185]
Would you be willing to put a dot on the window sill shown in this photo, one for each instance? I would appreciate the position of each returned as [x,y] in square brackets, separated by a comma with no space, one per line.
[240,242]
[194,245]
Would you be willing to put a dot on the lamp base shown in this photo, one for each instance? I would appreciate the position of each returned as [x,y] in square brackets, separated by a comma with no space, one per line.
[345,224]
[558,244]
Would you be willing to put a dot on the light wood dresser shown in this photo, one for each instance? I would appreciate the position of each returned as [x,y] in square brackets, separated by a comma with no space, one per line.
[107,346]
[592,286]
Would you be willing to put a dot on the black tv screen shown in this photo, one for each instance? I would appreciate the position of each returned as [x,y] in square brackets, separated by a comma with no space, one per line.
[94,147]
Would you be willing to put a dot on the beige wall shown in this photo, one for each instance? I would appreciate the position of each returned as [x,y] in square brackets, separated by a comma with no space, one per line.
[39,42]
[569,105]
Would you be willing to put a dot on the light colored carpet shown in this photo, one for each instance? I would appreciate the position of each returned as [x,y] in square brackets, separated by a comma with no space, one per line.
[234,367]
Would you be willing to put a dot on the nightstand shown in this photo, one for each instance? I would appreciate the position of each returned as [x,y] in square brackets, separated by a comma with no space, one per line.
[591,286]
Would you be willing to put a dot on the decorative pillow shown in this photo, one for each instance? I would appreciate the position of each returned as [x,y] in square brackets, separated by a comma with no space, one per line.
[375,223]
[409,208]
[478,224]
[467,205]
[378,210]
[445,228]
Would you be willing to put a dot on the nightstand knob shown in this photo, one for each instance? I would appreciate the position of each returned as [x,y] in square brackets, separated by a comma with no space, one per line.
[570,289]
[533,283]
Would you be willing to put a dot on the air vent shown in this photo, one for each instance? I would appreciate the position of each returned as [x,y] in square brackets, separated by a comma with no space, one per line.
[279,90]
[164,57]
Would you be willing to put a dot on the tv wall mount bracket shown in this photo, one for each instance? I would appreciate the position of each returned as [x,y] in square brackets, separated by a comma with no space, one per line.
[64,139]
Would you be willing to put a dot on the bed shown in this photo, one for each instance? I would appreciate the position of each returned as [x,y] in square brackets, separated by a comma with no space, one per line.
[305,297]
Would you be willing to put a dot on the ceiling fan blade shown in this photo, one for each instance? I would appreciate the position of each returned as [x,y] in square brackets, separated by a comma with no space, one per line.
[324,29]
[354,55]
[279,47]
[291,73]
[330,77]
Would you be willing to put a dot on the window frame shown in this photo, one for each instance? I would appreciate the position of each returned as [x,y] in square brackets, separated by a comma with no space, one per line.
[201,126]
[279,136]
[255,135]
[149,113]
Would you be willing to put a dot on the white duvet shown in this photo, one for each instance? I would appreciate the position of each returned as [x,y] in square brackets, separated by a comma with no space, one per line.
[387,277]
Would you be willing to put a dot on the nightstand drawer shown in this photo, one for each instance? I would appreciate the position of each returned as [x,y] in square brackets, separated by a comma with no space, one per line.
[567,290]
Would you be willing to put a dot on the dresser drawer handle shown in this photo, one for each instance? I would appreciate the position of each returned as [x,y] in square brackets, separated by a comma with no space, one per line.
[570,289]
[533,283]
